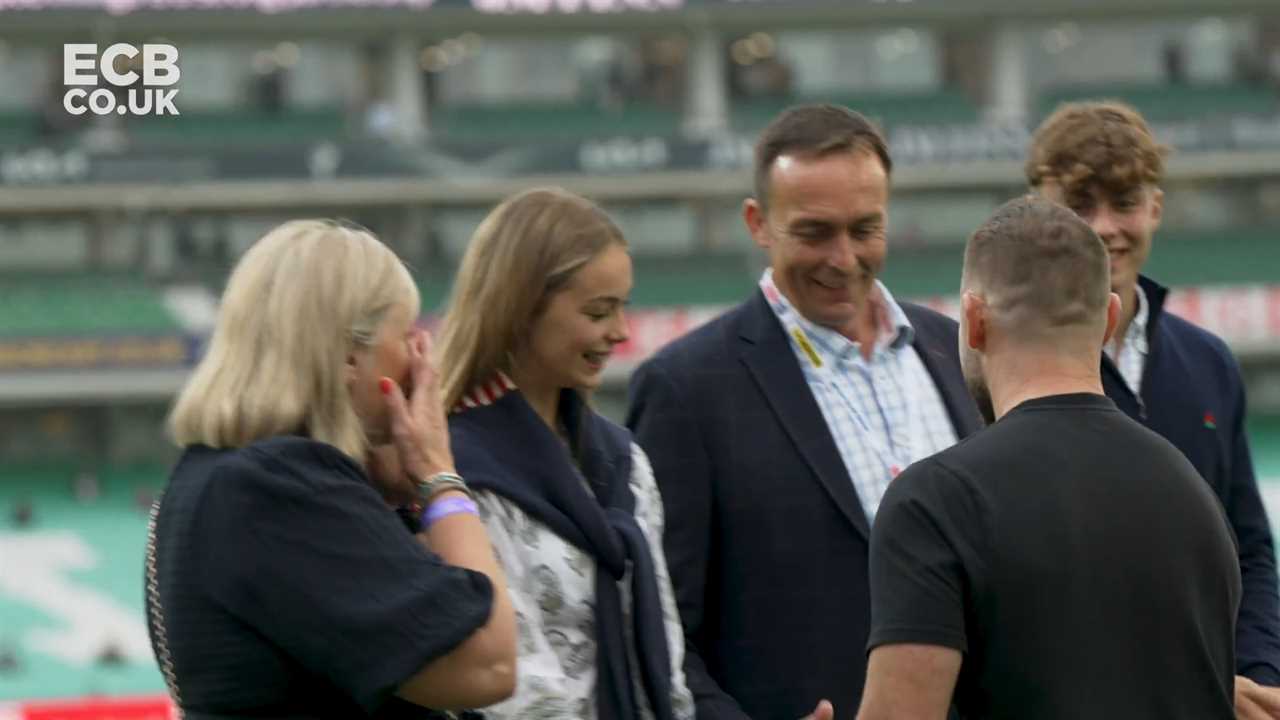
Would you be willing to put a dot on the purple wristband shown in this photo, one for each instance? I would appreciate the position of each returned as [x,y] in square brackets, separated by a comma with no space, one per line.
[446,507]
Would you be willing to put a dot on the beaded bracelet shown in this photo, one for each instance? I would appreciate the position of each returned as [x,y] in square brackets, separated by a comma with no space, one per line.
[430,487]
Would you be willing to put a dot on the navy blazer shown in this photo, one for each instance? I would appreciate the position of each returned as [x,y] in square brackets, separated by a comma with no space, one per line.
[766,540]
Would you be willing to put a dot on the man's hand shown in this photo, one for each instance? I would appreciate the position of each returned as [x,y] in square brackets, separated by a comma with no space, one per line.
[1256,702]
[824,711]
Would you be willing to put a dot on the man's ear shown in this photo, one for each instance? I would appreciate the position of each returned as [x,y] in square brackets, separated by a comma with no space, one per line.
[974,308]
[350,369]
[753,214]
[1157,207]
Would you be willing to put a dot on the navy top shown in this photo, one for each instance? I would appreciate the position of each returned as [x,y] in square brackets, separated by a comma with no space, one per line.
[1193,395]
[287,587]
[1075,558]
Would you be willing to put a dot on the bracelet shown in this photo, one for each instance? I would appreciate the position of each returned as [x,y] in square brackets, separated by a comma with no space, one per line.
[449,506]
[438,483]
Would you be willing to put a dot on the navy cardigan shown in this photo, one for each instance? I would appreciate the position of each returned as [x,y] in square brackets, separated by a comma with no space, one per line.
[1193,395]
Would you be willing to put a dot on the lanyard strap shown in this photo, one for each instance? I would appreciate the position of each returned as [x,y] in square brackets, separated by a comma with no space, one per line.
[894,456]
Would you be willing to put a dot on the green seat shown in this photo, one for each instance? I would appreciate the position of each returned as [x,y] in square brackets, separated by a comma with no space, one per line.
[244,127]
[505,122]
[943,107]
[434,286]
[1169,103]
[694,280]
[62,306]
[1240,257]
[1264,441]
[18,128]
[659,281]
[111,532]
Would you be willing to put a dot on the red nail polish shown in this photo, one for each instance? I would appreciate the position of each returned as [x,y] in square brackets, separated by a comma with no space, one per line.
[385,385]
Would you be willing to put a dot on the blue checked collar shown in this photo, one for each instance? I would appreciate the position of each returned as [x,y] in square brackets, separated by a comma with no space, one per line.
[895,333]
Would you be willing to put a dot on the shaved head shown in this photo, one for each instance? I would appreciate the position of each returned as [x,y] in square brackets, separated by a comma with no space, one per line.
[1036,303]
[1039,268]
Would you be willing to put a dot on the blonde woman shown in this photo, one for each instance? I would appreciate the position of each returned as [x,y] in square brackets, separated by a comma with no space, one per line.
[569,501]
[280,582]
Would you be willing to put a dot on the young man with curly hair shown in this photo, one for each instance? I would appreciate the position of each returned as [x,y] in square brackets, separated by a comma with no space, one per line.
[1101,160]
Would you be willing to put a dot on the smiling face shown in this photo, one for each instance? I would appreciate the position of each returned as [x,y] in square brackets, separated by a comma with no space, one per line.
[573,338]
[1101,160]
[825,230]
[1126,222]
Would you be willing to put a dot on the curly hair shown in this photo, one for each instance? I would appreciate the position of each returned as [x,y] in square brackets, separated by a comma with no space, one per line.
[1105,144]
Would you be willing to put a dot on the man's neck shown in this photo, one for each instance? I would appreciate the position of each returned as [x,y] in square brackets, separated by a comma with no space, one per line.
[1128,311]
[866,329]
[862,329]
[1016,379]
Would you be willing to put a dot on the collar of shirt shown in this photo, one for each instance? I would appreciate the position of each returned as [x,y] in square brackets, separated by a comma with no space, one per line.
[894,329]
[485,393]
[1135,337]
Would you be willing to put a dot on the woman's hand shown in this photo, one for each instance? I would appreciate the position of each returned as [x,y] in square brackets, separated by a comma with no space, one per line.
[383,466]
[419,430]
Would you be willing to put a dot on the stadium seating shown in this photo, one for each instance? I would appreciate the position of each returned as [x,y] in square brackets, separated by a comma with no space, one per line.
[1264,433]
[1168,103]
[902,108]
[1240,257]
[87,590]
[659,281]
[18,128]
[507,122]
[88,305]
[720,279]
[242,127]
[37,306]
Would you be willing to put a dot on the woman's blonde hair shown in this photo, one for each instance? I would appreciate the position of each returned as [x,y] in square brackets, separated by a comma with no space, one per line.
[298,302]
[523,252]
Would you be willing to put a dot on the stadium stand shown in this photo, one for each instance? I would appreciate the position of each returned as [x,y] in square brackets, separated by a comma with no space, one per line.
[71,589]
[82,304]
[240,127]
[1171,102]
[500,122]
[946,107]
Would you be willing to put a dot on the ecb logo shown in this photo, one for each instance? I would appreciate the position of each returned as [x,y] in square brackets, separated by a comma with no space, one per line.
[138,90]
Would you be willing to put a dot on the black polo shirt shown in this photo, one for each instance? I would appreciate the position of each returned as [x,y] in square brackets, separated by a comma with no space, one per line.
[1076,559]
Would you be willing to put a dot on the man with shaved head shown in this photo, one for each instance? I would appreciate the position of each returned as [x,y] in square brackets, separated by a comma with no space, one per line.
[1102,161]
[1065,562]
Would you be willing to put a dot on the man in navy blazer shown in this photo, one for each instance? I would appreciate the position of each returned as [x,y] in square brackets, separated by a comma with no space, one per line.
[774,430]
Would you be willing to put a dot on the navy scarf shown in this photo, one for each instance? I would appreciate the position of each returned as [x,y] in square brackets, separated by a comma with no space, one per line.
[505,448]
